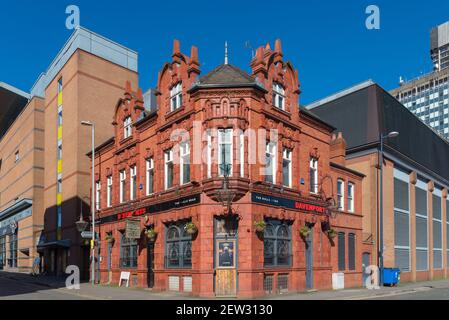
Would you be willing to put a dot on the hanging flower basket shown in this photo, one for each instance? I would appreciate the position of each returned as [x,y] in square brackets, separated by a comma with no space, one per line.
[331,233]
[305,231]
[109,238]
[260,226]
[151,234]
[191,228]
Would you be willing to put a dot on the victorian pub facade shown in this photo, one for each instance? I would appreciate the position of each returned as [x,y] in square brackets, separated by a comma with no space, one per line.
[221,185]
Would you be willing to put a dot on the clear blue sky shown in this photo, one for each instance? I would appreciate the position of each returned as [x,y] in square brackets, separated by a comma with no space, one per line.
[325,40]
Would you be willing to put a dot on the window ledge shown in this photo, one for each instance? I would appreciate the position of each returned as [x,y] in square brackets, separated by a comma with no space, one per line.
[174,112]
[126,139]
[282,111]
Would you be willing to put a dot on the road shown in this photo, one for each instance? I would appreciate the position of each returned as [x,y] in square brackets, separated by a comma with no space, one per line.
[427,294]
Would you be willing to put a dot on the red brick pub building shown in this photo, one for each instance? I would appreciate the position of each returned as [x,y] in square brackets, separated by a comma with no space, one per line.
[223,226]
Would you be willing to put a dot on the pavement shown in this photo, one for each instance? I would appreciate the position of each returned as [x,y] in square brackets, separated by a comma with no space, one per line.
[17,286]
[425,290]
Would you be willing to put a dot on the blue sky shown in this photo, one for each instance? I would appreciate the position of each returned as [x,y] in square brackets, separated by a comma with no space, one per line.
[325,40]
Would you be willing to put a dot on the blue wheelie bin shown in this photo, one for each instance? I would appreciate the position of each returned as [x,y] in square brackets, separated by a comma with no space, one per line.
[391,277]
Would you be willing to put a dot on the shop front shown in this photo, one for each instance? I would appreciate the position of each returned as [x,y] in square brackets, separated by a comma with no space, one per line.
[16,248]
[189,245]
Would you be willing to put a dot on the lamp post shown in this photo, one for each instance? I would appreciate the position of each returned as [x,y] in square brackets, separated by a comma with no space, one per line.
[225,195]
[392,134]
[92,205]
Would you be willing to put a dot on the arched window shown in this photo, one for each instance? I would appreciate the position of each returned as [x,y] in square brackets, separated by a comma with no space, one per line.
[178,247]
[277,244]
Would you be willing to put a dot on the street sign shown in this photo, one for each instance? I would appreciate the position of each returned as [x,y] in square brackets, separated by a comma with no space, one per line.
[88,235]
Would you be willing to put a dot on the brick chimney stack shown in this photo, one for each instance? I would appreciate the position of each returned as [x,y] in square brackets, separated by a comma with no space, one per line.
[194,63]
[176,51]
[338,149]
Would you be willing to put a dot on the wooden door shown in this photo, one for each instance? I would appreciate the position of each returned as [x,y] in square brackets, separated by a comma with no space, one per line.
[226,256]
[226,283]
[226,268]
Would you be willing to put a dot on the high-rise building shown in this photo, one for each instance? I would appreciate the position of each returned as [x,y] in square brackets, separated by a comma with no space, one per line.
[439,46]
[428,95]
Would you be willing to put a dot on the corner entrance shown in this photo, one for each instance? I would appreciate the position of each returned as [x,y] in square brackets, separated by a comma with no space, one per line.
[226,256]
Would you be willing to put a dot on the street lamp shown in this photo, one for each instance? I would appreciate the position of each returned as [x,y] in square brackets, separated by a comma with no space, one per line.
[390,135]
[225,195]
[92,205]
[81,225]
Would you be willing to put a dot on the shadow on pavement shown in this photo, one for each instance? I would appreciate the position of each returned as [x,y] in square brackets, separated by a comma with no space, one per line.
[12,284]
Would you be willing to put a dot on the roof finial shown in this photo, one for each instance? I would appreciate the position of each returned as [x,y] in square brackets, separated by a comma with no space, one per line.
[226,53]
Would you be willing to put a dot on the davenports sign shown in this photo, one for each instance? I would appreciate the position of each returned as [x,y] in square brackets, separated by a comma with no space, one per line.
[158,207]
[288,203]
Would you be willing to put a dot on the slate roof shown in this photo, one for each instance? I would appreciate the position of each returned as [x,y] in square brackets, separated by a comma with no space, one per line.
[227,75]
[12,102]
[364,112]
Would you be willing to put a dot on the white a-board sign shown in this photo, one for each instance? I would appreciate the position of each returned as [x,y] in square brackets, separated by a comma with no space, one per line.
[124,276]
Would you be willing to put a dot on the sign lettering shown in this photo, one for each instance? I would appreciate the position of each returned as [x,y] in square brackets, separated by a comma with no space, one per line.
[153,209]
[288,203]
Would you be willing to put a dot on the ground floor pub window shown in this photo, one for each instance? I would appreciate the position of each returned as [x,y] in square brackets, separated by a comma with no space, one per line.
[12,261]
[128,252]
[277,244]
[351,251]
[341,252]
[178,244]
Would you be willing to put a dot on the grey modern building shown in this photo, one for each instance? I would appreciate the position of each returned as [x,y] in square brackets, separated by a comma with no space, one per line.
[415,178]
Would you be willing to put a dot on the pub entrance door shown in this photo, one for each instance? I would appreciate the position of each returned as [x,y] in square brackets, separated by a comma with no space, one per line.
[309,260]
[366,258]
[226,256]
[85,263]
[150,264]
[109,262]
